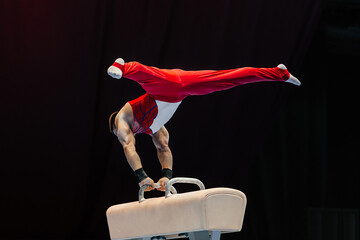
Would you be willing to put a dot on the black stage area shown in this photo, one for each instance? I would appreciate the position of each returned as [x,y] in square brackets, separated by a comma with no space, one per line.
[294,151]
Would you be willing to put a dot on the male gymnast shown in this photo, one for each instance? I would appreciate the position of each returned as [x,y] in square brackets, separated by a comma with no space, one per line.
[165,89]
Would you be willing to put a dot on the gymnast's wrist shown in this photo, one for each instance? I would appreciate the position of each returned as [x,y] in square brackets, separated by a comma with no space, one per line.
[140,174]
[166,172]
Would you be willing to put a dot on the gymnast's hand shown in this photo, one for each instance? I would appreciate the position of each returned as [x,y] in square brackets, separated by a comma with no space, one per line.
[162,182]
[148,181]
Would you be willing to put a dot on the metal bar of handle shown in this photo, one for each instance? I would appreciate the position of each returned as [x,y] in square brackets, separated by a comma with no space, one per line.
[182,180]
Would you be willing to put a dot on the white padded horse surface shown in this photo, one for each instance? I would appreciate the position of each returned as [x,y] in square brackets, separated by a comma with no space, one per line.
[215,209]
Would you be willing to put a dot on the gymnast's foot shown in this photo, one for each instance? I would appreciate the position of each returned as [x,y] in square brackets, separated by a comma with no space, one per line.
[115,69]
[292,79]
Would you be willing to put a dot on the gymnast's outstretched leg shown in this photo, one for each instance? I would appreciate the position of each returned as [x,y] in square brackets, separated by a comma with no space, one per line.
[161,84]
[208,81]
[175,84]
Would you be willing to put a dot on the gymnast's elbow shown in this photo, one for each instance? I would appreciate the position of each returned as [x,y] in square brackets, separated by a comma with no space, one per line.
[128,147]
[163,147]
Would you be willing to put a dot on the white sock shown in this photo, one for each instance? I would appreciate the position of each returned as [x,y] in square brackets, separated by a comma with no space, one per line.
[292,79]
[114,71]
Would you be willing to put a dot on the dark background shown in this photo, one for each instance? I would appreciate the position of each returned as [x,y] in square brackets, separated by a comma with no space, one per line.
[294,151]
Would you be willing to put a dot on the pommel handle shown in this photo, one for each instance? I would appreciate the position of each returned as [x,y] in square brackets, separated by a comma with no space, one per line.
[169,189]
[182,180]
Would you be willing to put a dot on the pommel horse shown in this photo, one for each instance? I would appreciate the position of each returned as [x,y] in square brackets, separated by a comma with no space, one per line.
[198,215]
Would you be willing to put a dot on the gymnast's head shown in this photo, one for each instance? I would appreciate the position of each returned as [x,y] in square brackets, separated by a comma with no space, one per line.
[112,126]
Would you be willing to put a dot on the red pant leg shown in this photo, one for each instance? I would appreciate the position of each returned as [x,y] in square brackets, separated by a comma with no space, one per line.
[161,84]
[176,84]
[208,81]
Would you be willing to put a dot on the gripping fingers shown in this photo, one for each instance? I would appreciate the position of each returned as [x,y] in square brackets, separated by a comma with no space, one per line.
[147,181]
[162,183]
[156,185]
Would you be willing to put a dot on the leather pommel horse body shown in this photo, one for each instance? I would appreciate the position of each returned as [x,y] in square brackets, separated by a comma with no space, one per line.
[199,215]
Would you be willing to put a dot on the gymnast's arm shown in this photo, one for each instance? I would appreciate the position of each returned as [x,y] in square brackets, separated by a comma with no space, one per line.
[127,140]
[161,142]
